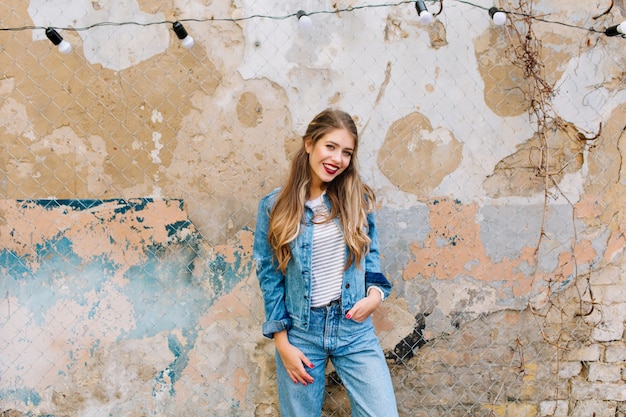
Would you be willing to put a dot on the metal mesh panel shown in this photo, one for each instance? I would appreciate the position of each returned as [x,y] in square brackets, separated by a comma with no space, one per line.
[132,168]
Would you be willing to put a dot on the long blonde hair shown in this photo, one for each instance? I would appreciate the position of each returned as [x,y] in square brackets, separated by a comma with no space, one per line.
[350,199]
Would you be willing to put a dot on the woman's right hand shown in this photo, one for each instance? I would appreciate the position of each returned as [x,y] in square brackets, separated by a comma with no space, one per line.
[293,359]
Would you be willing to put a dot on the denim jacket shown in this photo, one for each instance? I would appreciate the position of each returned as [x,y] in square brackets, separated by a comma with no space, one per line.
[287,297]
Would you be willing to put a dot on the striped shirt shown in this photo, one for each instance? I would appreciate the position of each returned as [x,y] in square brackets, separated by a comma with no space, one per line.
[328,256]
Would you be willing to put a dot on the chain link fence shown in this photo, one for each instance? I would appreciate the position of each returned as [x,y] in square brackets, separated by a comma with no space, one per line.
[132,168]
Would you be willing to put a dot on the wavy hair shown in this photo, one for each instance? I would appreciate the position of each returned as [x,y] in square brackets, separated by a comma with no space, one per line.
[351,200]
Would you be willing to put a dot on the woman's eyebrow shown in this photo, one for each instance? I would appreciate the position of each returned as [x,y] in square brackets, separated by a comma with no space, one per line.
[332,142]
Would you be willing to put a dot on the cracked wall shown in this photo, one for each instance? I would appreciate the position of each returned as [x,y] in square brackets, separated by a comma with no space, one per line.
[131,170]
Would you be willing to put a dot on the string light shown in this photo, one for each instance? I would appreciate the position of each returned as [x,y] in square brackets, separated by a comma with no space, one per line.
[498,16]
[52,34]
[186,40]
[64,46]
[422,11]
[616,30]
[304,21]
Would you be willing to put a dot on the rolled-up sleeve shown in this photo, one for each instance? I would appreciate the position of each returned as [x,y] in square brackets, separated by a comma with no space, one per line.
[373,275]
[271,280]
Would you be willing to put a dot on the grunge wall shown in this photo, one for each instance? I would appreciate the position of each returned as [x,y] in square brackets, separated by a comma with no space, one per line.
[131,169]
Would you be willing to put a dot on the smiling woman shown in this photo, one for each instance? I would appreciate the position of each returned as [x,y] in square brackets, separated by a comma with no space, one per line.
[323,213]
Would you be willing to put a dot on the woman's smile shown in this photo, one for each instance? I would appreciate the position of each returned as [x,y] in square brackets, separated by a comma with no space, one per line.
[331,169]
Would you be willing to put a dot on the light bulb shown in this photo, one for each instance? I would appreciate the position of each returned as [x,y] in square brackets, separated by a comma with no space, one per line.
[422,11]
[186,40]
[63,46]
[426,18]
[498,16]
[304,21]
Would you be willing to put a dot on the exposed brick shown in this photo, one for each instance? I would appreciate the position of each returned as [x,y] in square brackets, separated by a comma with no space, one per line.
[615,352]
[588,408]
[583,390]
[611,328]
[587,354]
[514,409]
[604,372]
[569,369]
[558,408]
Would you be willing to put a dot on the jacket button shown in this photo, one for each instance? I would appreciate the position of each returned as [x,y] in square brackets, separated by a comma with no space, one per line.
[347,286]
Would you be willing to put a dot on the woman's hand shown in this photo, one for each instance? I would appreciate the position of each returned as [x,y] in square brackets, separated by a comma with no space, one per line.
[363,308]
[293,359]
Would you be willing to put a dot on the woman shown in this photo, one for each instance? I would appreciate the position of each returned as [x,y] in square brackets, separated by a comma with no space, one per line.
[316,249]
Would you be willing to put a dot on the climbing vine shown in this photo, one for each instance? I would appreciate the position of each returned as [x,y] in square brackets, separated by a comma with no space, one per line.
[525,52]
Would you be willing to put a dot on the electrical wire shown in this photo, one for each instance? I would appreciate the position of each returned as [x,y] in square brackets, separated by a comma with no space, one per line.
[537,18]
[284,17]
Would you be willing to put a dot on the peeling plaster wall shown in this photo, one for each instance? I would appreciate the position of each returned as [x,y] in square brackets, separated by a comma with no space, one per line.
[131,170]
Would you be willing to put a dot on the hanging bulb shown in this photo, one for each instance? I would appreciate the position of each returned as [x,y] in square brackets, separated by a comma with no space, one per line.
[423,13]
[498,16]
[64,46]
[186,40]
[304,21]
[616,30]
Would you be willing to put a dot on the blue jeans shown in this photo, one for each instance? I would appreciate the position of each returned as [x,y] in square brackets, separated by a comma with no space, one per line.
[355,352]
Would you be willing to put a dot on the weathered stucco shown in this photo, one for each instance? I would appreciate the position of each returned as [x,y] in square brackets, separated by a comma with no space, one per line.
[132,167]
[415,157]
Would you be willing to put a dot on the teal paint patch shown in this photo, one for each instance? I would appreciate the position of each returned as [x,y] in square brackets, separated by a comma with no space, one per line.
[52,204]
[444,240]
[136,204]
[174,228]
[166,295]
[163,295]
[60,277]
[175,369]
[25,396]
[92,312]
[12,265]
[61,247]
[235,406]
[170,289]
[174,345]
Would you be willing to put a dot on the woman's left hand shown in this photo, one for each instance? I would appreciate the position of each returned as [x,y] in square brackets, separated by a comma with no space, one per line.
[363,308]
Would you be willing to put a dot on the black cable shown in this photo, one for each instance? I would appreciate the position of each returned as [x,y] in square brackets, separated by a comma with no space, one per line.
[283,17]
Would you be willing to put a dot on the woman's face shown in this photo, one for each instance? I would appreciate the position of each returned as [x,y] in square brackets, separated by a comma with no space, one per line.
[328,158]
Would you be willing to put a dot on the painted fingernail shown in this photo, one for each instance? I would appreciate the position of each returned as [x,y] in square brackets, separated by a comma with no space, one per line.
[348,316]
[310,365]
